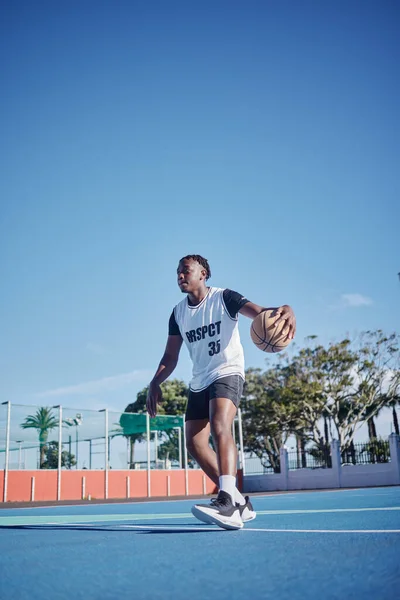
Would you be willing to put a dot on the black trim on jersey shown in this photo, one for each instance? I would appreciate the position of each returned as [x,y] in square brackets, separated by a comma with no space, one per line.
[233,302]
[173,327]
[200,303]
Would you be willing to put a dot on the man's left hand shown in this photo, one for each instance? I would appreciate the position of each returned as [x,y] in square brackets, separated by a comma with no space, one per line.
[285,313]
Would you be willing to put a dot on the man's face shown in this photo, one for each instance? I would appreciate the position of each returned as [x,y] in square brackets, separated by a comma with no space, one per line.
[190,275]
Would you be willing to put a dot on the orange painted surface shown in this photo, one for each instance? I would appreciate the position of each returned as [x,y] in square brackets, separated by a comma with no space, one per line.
[138,485]
[117,484]
[95,483]
[71,485]
[19,484]
[196,483]
[158,482]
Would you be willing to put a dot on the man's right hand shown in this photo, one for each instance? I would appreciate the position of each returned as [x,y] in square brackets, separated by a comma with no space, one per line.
[154,397]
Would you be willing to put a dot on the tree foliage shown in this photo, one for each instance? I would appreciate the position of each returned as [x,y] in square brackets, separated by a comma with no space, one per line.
[51,457]
[315,393]
[318,393]
[43,421]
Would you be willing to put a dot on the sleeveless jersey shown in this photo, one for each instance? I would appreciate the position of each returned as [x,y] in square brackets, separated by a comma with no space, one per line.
[212,338]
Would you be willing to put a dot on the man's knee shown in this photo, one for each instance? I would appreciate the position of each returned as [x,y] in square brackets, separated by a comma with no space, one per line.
[191,446]
[197,435]
[195,444]
[220,429]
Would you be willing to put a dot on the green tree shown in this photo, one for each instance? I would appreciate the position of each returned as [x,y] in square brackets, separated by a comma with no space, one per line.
[51,460]
[392,392]
[43,421]
[393,404]
[377,375]
[316,390]
[377,450]
[342,386]
[169,449]
[175,394]
[298,388]
[266,416]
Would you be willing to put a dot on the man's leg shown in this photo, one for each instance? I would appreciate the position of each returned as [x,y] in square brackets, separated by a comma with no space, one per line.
[198,446]
[222,511]
[222,414]
[220,466]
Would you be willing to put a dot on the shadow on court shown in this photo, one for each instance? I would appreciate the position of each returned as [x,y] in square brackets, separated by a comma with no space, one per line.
[143,529]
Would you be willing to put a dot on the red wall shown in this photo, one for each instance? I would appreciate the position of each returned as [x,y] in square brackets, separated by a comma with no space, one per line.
[19,484]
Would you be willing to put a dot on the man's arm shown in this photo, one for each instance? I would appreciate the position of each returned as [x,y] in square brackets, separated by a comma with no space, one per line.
[283,313]
[164,370]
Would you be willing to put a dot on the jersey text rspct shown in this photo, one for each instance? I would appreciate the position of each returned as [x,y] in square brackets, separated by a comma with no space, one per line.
[195,335]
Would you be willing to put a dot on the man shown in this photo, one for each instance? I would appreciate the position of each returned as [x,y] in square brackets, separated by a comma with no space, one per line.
[207,321]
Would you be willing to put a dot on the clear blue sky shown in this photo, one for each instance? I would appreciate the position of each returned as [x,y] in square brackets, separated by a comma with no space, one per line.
[263,135]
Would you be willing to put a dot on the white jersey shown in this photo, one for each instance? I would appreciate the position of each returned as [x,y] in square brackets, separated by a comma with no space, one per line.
[212,337]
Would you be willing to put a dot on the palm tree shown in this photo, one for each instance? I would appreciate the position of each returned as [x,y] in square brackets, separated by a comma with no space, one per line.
[393,403]
[393,394]
[43,421]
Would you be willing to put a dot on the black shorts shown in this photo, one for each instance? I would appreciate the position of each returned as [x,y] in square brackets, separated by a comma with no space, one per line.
[227,387]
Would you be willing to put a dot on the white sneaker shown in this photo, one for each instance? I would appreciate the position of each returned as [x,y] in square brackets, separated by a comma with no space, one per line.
[220,511]
[247,511]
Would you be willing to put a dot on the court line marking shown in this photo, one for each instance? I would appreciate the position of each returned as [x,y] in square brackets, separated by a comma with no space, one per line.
[326,530]
[323,510]
[67,519]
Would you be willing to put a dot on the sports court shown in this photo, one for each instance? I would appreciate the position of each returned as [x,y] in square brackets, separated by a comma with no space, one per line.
[321,544]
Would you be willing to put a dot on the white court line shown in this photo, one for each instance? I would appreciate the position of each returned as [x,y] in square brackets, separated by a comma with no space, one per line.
[323,510]
[326,530]
[377,494]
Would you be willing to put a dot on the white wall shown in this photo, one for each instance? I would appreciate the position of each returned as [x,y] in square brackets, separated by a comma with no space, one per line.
[368,475]
[338,476]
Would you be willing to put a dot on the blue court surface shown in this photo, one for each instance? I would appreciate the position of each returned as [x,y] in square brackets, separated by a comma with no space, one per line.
[321,545]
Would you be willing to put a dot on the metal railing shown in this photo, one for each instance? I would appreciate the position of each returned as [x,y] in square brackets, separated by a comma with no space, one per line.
[312,458]
[373,452]
[256,466]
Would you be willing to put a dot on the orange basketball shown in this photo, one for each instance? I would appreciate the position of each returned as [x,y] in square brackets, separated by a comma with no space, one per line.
[267,337]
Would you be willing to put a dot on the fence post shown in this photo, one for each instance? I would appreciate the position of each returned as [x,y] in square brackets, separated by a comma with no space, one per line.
[106,465]
[336,463]
[185,458]
[148,455]
[241,445]
[7,452]
[284,467]
[59,458]
[394,447]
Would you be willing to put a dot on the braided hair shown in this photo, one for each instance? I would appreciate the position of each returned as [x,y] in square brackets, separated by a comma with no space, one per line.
[201,260]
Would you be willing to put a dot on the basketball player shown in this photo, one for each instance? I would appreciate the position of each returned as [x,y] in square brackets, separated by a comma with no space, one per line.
[207,321]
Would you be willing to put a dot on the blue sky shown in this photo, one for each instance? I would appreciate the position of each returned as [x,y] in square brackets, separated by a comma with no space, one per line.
[263,135]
